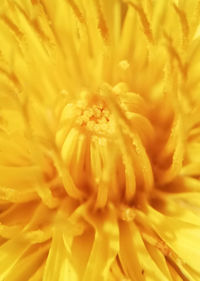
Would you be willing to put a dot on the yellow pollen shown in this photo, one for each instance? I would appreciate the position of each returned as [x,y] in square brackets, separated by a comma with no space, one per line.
[124,64]
[127,214]
[96,119]
[64,92]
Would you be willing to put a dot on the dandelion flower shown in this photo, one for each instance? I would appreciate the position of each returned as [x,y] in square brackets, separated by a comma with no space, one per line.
[99,140]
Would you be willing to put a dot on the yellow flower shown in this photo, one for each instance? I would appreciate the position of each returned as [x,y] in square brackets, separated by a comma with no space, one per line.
[99,140]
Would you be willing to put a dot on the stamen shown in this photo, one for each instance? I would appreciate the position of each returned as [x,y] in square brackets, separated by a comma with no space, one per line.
[96,119]
[124,64]
[127,214]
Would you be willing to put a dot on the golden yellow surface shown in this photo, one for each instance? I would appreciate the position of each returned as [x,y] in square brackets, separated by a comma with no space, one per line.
[99,140]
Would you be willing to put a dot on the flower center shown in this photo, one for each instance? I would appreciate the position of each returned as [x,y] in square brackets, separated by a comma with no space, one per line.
[101,139]
[96,119]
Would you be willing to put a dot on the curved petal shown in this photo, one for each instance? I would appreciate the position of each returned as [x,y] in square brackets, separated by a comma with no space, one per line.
[135,257]
[105,246]
[182,237]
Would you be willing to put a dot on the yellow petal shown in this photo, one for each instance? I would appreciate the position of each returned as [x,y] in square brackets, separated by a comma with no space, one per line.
[182,237]
[105,247]
[58,264]
[28,265]
[134,256]
[10,253]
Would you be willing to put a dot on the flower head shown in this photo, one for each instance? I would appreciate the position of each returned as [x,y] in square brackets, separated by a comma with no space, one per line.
[99,140]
